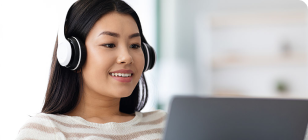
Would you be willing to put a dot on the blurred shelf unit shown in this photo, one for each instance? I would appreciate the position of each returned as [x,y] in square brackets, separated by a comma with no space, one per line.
[282,57]
[251,52]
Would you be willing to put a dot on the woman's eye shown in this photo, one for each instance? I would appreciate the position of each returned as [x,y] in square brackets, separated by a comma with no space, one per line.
[135,46]
[109,45]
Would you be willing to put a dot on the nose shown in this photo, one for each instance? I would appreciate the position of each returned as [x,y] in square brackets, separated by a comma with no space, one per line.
[124,56]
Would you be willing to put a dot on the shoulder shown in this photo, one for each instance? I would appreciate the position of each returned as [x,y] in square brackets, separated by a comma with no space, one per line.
[153,118]
[156,113]
[38,121]
[37,127]
[151,124]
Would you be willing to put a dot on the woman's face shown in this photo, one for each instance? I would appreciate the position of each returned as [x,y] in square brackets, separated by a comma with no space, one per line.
[113,53]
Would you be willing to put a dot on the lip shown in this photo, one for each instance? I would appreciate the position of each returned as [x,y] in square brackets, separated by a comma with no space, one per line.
[122,79]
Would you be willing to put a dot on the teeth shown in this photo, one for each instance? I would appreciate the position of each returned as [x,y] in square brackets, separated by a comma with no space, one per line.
[121,74]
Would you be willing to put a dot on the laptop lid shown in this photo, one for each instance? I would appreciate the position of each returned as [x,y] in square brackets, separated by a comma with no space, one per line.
[196,118]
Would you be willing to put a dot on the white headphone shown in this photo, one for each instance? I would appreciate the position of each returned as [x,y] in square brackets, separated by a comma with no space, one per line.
[71,52]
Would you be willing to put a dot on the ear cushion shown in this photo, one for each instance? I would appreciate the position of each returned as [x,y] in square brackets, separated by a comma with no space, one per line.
[149,56]
[79,53]
[152,57]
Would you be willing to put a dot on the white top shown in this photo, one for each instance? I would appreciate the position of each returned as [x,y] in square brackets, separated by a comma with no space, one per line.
[144,126]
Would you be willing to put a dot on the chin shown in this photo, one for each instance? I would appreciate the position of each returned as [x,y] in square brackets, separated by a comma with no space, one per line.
[122,94]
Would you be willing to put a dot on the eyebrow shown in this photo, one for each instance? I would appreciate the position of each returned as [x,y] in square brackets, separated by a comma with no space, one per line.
[117,35]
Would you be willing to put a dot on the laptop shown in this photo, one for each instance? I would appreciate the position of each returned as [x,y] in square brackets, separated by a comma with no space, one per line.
[211,118]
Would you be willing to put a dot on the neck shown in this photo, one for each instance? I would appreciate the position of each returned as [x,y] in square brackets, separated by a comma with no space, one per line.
[96,105]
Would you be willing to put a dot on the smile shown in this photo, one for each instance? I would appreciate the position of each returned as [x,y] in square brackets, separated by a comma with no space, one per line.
[121,74]
[122,77]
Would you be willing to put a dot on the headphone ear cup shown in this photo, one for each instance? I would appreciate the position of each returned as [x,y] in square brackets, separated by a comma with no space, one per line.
[79,53]
[152,57]
[149,56]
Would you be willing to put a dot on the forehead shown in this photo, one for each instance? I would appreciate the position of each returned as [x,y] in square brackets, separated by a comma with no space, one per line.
[115,22]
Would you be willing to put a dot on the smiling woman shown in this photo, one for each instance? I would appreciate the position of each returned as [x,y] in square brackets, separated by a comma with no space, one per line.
[97,86]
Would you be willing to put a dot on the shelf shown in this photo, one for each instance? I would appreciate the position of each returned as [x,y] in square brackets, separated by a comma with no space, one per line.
[259,61]
[219,20]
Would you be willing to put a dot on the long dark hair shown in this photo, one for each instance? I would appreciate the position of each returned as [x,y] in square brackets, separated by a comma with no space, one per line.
[63,91]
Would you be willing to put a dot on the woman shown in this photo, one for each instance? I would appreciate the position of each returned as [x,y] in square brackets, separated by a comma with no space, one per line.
[99,97]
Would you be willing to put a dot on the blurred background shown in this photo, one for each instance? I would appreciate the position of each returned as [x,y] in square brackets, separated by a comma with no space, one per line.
[234,48]
[243,48]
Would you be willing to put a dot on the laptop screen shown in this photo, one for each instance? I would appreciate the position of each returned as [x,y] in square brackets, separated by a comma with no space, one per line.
[196,118]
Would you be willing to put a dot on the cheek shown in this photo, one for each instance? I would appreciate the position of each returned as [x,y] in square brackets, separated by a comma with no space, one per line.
[96,67]
[95,60]
[139,61]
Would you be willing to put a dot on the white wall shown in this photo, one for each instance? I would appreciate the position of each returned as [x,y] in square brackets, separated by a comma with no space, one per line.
[28,31]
